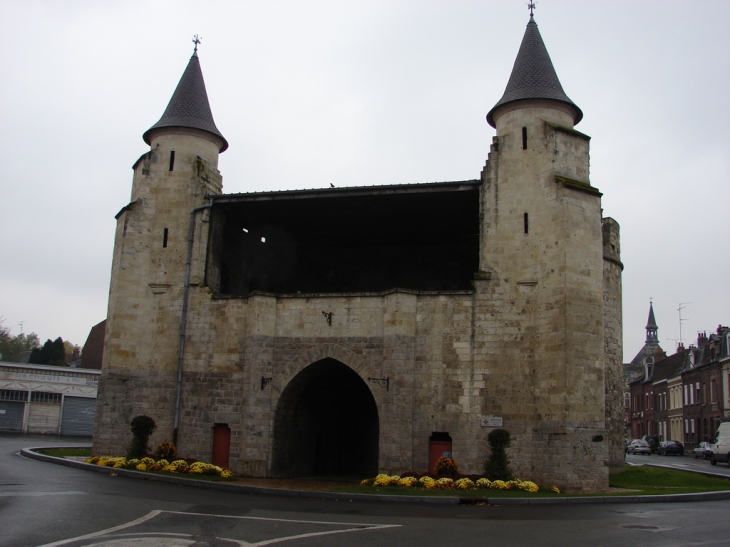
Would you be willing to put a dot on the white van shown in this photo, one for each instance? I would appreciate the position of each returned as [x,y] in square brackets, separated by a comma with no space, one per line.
[720,446]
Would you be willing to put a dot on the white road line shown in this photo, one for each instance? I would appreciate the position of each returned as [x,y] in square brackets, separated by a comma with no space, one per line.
[38,494]
[359,526]
[313,534]
[140,520]
[277,520]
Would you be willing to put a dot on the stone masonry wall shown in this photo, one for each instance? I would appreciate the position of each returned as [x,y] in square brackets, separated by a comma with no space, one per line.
[613,343]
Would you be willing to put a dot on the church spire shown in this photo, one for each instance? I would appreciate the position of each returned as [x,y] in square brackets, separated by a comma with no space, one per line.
[533,75]
[189,106]
[651,326]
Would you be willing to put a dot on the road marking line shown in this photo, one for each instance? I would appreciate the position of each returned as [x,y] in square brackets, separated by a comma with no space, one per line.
[278,520]
[37,494]
[360,526]
[140,520]
[313,534]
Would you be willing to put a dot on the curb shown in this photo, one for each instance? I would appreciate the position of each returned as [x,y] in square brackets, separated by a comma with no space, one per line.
[420,500]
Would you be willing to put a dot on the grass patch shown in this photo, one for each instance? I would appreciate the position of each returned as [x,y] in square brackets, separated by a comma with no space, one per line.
[64,452]
[661,480]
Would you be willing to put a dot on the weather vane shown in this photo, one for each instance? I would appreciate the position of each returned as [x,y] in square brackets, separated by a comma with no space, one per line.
[531,6]
[196,41]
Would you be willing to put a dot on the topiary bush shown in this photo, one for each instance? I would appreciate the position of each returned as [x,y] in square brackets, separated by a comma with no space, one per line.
[496,466]
[142,427]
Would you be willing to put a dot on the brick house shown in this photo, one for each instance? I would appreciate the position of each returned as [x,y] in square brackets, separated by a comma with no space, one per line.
[702,387]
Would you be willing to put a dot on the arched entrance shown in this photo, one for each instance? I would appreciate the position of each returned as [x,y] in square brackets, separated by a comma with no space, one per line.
[326,423]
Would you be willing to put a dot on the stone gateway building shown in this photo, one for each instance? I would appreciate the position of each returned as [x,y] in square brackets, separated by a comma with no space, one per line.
[343,331]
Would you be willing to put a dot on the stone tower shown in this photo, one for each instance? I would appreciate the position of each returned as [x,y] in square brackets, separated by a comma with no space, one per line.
[541,314]
[153,242]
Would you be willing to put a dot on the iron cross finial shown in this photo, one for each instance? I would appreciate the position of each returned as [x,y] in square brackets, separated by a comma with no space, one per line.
[531,6]
[196,41]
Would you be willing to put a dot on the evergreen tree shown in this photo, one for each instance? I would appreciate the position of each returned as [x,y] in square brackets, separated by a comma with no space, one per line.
[40,356]
[57,355]
[52,353]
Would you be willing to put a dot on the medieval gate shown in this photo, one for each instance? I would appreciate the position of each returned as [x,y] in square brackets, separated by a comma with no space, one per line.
[326,423]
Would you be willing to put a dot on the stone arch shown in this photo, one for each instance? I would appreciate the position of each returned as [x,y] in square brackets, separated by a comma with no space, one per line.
[355,361]
[326,422]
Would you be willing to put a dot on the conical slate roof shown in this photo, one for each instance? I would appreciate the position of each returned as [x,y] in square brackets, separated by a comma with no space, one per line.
[189,106]
[651,322]
[533,75]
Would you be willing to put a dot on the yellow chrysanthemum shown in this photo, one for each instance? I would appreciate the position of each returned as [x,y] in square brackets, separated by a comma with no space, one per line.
[408,482]
[464,484]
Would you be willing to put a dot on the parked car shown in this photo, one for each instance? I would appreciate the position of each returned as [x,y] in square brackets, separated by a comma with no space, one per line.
[702,451]
[639,446]
[653,442]
[671,448]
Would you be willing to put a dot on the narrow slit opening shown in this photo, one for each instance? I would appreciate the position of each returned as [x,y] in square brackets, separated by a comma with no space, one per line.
[172,159]
[524,138]
[527,223]
[164,238]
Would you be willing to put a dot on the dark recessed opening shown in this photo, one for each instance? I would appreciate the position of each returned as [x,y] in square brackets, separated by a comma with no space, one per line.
[524,138]
[172,159]
[164,238]
[526,220]
[424,237]
[326,423]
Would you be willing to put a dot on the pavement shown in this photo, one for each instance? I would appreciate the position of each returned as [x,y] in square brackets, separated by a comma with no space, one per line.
[316,488]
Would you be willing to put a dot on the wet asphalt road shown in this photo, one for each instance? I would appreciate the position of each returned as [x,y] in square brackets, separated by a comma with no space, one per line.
[46,504]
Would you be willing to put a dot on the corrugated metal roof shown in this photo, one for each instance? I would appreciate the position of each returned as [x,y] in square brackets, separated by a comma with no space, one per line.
[351,191]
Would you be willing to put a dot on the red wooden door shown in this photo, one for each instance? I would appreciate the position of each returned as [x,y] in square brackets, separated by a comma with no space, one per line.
[437,449]
[221,444]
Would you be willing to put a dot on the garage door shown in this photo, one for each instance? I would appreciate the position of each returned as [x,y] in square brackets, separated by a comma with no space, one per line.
[43,417]
[11,416]
[78,416]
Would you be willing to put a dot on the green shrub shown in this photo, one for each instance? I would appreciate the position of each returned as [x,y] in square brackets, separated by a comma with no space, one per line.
[142,427]
[496,466]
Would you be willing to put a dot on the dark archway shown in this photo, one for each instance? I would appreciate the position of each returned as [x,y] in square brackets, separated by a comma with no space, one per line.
[326,423]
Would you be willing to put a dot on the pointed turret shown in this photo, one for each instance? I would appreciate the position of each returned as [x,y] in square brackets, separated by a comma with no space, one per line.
[189,107]
[533,77]
[651,326]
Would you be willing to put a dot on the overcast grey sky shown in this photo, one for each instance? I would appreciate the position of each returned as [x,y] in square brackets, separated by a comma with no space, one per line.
[352,93]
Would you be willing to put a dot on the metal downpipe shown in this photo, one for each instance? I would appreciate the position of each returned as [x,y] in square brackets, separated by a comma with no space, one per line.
[183,319]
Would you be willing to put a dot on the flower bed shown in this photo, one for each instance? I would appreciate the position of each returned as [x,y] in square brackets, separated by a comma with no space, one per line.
[428,482]
[146,464]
